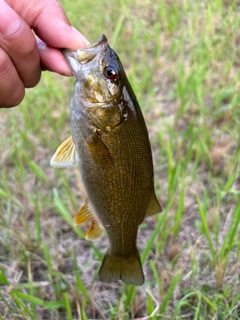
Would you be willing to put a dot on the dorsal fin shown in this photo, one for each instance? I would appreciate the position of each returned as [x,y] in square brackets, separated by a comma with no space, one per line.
[153,206]
[65,155]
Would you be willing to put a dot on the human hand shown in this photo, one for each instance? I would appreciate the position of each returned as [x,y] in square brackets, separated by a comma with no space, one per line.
[22,56]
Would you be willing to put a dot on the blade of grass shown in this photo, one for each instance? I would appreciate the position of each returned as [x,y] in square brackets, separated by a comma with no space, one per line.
[205,228]
[228,242]
[3,278]
[67,306]
[117,30]
[21,305]
[51,305]
[79,281]
[169,293]
[156,231]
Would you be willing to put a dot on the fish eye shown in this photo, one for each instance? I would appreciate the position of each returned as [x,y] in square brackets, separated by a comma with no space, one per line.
[111,72]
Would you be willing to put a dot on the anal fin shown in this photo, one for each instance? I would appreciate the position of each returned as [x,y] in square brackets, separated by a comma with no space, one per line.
[86,213]
[95,231]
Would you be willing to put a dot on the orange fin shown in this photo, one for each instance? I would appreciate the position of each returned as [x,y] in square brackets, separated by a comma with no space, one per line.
[95,231]
[65,155]
[127,269]
[153,206]
[86,213]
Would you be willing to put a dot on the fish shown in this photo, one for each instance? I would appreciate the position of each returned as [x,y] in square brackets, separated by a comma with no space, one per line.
[111,146]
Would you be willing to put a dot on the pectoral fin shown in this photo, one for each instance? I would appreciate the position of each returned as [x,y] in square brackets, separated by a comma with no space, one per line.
[85,214]
[154,206]
[65,156]
[99,151]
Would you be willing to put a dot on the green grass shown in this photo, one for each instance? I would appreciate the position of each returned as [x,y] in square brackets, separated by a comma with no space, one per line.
[182,59]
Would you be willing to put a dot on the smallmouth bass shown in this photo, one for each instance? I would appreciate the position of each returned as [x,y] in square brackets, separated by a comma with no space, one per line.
[110,144]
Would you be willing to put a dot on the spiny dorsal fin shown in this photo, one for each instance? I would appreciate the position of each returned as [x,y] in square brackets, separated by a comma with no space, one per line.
[86,213]
[65,155]
[154,206]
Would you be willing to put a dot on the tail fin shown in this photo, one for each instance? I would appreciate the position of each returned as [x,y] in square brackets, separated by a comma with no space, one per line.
[128,269]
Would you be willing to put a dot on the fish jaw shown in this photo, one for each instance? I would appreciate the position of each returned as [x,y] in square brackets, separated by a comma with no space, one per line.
[71,58]
[77,59]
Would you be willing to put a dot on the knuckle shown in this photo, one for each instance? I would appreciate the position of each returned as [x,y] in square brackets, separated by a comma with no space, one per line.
[27,48]
[5,63]
[12,98]
[34,80]
[17,97]
[27,69]
[11,88]
[21,43]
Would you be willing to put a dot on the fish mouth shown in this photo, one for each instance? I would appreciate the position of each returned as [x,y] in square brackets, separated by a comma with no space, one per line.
[86,54]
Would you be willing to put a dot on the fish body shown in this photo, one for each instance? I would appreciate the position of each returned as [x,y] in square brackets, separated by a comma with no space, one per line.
[111,145]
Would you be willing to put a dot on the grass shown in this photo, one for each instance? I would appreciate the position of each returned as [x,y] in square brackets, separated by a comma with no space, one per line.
[182,59]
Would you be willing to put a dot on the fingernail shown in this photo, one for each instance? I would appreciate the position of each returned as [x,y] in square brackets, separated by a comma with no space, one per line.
[10,22]
[7,28]
[79,35]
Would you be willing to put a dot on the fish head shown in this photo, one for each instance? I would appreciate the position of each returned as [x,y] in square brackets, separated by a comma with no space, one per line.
[98,71]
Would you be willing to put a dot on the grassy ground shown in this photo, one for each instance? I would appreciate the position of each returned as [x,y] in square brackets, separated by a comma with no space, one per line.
[182,58]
